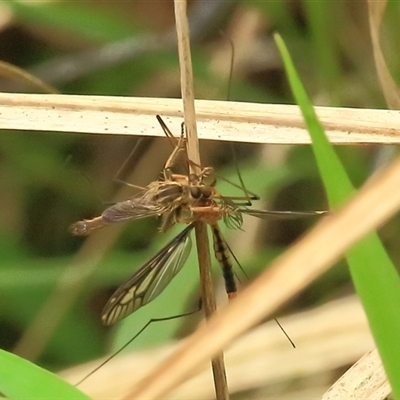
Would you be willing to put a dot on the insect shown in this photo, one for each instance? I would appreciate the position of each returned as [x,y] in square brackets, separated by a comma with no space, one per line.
[176,199]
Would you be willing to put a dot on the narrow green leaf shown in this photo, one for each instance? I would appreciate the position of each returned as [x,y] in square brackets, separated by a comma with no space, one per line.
[375,277]
[77,17]
[21,380]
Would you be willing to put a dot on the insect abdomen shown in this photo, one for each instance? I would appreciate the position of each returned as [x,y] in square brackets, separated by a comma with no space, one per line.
[222,255]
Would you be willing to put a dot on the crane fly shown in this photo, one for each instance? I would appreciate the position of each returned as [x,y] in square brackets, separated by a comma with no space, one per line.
[176,199]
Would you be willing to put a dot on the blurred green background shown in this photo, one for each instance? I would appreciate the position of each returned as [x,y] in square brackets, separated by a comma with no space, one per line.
[50,180]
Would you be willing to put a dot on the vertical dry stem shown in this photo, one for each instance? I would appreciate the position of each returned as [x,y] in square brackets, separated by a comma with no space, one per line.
[146,389]
[203,250]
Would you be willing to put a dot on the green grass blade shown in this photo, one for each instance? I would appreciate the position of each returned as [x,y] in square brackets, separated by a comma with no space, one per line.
[76,17]
[375,278]
[20,379]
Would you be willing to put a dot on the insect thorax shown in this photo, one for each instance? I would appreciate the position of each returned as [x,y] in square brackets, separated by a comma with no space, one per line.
[168,193]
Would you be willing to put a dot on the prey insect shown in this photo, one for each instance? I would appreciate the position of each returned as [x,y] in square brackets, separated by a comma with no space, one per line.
[176,199]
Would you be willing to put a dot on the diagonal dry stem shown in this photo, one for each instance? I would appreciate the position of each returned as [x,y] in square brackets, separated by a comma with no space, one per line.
[292,271]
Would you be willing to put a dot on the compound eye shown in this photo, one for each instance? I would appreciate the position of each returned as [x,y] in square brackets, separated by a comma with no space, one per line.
[206,193]
[195,192]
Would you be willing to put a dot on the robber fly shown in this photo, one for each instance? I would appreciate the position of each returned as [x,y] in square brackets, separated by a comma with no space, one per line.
[176,199]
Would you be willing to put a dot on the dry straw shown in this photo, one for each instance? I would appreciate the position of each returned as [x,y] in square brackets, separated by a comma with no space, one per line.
[260,123]
[224,121]
[216,120]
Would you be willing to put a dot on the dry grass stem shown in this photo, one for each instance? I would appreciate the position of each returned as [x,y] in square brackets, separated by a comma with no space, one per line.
[193,151]
[187,87]
[217,120]
[389,87]
[18,74]
[366,379]
[263,356]
[206,288]
[259,359]
[294,270]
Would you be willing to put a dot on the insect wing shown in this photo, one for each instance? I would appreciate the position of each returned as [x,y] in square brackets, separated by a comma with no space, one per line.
[131,209]
[140,206]
[281,214]
[150,280]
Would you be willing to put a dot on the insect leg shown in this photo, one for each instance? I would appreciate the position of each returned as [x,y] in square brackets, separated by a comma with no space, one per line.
[151,321]
[180,146]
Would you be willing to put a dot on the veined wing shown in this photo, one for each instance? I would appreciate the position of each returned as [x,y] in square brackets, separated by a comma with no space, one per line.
[158,198]
[150,280]
[131,209]
[266,214]
[137,207]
